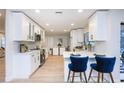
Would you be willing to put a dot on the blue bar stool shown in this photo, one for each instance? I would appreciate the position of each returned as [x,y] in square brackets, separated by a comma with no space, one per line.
[78,64]
[94,64]
[104,65]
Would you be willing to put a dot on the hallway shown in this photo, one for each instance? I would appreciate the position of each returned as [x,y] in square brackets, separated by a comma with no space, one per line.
[51,72]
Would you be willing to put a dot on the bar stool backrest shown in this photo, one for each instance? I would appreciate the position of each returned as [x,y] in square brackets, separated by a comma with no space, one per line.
[105,64]
[79,63]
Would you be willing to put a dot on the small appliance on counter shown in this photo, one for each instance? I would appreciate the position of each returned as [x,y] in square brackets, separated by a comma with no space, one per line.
[23,48]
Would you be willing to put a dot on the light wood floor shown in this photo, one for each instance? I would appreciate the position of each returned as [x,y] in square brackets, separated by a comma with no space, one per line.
[51,72]
[2,69]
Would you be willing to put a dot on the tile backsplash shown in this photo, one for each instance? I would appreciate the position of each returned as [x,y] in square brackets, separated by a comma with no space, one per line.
[32,45]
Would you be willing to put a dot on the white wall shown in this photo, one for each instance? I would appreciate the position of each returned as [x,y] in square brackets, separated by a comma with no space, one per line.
[11,47]
[112,45]
[52,40]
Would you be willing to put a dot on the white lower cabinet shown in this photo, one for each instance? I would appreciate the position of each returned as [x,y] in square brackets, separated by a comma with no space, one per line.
[25,64]
[57,51]
[62,50]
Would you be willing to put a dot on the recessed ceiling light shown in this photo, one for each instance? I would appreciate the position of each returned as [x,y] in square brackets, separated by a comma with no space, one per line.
[80,10]
[0,14]
[37,11]
[51,30]
[47,24]
[65,30]
[72,24]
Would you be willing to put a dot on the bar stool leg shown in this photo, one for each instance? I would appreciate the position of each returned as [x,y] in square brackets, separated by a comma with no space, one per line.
[68,75]
[98,80]
[85,77]
[90,74]
[80,76]
[111,77]
[73,76]
[102,77]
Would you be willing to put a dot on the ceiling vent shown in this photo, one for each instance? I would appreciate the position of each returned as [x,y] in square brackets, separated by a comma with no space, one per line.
[59,12]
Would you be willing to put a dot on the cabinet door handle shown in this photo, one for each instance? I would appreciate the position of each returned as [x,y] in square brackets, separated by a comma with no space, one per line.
[38,58]
[29,30]
[27,36]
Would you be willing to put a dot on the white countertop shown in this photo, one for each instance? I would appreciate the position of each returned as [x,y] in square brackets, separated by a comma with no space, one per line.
[82,53]
[28,52]
[58,47]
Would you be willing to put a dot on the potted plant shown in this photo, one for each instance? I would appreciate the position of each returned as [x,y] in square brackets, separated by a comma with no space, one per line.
[59,44]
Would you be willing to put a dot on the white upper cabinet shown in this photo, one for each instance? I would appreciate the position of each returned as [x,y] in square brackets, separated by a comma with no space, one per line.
[79,35]
[98,26]
[31,31]
[37,29]
[76,37]
[42,35]
[24,28]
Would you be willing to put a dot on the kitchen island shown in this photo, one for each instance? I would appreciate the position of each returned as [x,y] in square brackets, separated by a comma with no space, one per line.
[67,61]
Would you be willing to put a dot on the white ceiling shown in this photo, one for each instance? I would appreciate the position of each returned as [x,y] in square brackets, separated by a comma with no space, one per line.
[60,22]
